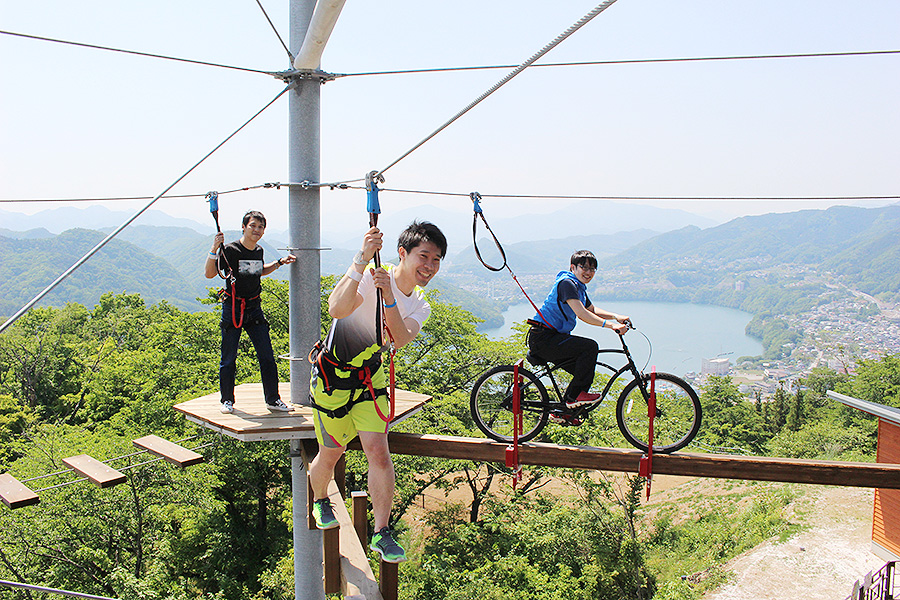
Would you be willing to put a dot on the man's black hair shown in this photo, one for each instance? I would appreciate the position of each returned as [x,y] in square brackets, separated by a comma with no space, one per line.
[419,232]
[583,258]
[253,214]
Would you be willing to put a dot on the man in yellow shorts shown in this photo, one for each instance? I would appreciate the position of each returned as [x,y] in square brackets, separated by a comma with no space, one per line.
[348,386]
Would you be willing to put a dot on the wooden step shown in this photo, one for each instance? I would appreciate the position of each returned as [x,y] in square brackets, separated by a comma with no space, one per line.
[14,493]
[101,474]
[170,451]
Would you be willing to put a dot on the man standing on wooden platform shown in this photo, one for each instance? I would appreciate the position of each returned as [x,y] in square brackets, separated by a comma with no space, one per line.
[242,263]
[348,385]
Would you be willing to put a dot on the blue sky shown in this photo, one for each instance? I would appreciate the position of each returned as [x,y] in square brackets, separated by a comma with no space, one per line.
[77,122]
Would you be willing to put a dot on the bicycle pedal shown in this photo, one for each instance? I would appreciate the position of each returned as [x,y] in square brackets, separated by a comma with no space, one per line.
[564,419]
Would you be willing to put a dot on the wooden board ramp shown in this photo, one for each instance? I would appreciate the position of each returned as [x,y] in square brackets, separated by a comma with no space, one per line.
[14,493]
[251,421]
[722,466]
[170,451]
[101,474]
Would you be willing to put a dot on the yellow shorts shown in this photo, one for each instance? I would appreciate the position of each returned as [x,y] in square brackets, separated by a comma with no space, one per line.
[363,416]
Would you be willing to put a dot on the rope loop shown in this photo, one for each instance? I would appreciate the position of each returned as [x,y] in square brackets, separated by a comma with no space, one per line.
[476,207]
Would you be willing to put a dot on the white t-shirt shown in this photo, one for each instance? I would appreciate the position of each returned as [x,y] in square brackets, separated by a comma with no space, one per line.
[354,334]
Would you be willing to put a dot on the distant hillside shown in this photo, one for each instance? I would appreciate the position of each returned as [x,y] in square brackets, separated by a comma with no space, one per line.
[543,256]
[160,263]
[859,247]
[29,265]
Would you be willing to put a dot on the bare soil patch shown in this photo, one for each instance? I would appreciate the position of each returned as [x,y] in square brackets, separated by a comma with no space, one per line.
[820,562]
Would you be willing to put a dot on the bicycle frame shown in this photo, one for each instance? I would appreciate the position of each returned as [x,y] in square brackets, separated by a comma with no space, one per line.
[547,371]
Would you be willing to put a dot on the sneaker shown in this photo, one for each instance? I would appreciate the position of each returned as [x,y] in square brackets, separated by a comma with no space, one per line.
[563,418]
[227,407]
[383,542]
[279,406]
[324,514]
[582,399]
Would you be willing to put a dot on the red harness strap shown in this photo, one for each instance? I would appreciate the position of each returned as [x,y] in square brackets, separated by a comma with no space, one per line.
[234,319]
[392,389]
[512,451]
[645,469]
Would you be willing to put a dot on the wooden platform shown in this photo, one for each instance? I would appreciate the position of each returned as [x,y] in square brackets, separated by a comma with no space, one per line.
[100,473]
[14,493]
[251,421]
[169,451]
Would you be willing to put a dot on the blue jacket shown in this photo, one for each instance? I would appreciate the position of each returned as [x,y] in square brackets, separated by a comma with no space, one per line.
[557,313]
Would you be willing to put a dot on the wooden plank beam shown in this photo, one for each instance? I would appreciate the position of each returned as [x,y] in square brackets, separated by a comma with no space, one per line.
[102,475]
[357,579]
[754,468]
[170,451]
[14,493]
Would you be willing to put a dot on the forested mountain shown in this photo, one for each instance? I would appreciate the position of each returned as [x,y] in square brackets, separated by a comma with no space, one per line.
[860,247]
[544,256]
[30,265]
[855,246]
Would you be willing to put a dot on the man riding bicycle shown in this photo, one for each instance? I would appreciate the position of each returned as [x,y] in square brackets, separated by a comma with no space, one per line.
[550,336]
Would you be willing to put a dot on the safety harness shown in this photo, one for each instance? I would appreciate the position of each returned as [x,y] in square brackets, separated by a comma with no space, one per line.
[478,212]
[227,273]
[359,377]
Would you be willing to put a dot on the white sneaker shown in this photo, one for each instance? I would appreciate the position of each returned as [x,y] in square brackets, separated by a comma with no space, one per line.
[228,407]
[279,406]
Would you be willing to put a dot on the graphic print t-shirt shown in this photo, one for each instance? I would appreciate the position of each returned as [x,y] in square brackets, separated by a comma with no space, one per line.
[248,267]
[353,337]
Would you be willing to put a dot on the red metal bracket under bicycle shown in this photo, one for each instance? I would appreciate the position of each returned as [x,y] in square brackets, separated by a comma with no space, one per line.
[512,451]
[645,469]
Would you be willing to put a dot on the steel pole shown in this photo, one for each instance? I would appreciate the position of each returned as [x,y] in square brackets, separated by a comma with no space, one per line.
[305,318]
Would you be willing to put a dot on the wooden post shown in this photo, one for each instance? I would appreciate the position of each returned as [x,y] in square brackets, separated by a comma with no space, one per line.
[360,516]
[331,549]
[388,580]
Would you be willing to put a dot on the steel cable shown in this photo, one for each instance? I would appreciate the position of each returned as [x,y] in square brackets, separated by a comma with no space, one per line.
[134,52]
[116,231]
[559,39]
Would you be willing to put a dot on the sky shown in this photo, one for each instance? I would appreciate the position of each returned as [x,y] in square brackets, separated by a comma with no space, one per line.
[86,123]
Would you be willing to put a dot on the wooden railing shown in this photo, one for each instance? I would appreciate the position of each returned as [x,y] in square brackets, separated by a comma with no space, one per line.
[875,586]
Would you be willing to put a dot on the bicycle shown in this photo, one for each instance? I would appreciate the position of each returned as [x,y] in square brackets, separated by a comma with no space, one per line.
[676,421]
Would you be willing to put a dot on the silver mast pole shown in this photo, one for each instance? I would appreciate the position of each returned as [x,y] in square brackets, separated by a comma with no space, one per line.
[305,319]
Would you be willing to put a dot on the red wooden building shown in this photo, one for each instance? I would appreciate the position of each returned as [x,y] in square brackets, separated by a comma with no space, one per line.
[886,512]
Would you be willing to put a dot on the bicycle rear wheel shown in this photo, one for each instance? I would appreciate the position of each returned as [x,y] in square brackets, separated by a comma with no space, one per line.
[677,418]
[491,404]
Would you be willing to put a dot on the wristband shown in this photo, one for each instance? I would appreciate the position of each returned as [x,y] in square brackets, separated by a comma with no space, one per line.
[358,259]
[213,255]
[279,262]
[603,324]
[354,274]
[391,305]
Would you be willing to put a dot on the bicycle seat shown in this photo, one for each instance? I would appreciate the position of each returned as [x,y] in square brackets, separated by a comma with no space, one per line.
[536,360]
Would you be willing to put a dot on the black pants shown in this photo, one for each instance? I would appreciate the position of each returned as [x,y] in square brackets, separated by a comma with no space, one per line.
[257,328]
[578,353]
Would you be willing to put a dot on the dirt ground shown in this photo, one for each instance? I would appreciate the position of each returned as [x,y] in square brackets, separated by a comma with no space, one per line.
[821,562]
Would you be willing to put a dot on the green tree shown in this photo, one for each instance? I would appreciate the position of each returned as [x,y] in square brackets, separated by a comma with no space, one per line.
[729,419]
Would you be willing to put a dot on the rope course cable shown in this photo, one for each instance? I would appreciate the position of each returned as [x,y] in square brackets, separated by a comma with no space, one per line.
[556,41]
[345,185]
[215,442]
[633,61]
[134,52]
[592,197]
[128,222]
[275,185]
[278,35]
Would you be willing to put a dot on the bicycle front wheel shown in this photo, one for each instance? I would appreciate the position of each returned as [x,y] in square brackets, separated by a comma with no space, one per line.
[677,418]
[491,404]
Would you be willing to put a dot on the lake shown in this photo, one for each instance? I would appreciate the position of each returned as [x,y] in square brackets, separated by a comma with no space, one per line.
[681,335]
